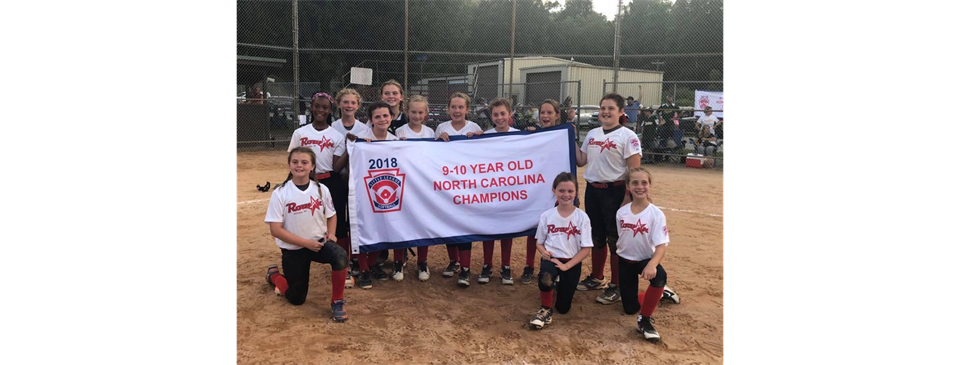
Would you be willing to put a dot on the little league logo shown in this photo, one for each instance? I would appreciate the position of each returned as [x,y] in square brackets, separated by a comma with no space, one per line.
[385,189]
[704,102]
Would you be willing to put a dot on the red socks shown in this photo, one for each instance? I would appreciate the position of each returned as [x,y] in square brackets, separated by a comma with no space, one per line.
[465,258]
[344,242]
[614,268]
[531,249]
[506,246]
[650,300]
[364,265]
[398,255]
[372,258]
[281,282]
[422,253]
[546,298]
[488,253]
[337,278]
[598,257]
[453,252]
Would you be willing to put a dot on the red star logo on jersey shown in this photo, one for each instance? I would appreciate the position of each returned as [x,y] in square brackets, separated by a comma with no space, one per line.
[325,143]
[572,230]
[635,227]
[315,204]
[665,230]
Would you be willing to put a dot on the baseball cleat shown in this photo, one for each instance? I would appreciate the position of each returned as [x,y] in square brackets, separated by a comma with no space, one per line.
[645,326]
[669,294]
[543,317]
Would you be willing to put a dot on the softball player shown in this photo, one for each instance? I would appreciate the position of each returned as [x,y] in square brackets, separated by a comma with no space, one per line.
[301,218]
[417,111]
[641,247]
[328,145]
[349,101]
[608,151]
[500,111]
[392,93]
[563,239]
[458,125]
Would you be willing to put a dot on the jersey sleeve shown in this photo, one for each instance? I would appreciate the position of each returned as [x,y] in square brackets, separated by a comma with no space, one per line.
[542,229]
[586,233]
[293,141]
[632,144]
[659,233]
[328,208]
[429,132]
[340,147]
[274,208]
[586,141]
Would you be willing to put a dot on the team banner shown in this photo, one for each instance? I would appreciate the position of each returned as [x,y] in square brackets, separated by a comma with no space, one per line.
[423,192]
[713,99]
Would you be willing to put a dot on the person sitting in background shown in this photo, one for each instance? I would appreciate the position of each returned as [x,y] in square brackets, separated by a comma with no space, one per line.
[718,129]
[706,143]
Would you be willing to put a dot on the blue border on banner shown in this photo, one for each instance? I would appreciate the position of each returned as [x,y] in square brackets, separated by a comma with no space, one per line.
[444,240]
[475,237]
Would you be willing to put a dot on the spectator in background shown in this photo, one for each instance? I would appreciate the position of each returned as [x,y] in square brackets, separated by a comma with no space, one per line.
[670,120]
[631,109]
[568,113]
[707,120]
[719,128]
[257,95]
[706,143]
[647,130]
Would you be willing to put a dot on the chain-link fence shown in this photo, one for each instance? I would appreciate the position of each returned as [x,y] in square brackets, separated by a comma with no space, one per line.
[289,49]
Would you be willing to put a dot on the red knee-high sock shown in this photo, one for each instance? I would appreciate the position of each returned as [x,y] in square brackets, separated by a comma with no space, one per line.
[506,245]
[344,242]
[598,257]
[453,252]
[372,258]
[465,258]
[546,299]
[488,253]
[362,257]
[337,278]
[531,249]
[614,268]
[640,297]
[398,255]
[650,300]
[422,253]
[280,282]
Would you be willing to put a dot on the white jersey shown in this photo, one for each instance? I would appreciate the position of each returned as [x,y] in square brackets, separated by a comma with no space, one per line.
[368,134]
[494,130]
[564,237]
[356,129]
[406,132]
[447,127]
[640,234]
[710,120]
[303,213]
[326,144]
[607,153]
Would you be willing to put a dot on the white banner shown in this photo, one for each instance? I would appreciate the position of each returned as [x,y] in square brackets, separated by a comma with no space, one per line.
[423,192]
[703,99]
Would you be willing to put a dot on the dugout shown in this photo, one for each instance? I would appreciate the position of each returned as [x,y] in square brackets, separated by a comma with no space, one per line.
[253,118]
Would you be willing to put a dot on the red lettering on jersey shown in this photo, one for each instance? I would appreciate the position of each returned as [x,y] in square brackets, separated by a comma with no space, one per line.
[665,230]
[322,143]
[313,205]
[569,230]
[607,143]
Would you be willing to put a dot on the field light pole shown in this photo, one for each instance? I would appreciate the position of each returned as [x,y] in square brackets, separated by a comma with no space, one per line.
[296,65]
[616,46]
[513,36]
[406,37]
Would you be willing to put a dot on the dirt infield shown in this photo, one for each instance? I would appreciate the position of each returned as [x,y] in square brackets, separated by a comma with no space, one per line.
[436,322]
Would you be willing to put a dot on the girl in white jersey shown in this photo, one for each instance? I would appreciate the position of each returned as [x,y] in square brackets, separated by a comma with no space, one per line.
[641,248]
[329,146]
[563,239]
[391,92]
[303,221]
[549,116]
[380,118]
[417,111]
[608,151]
[349,102]
[500,113]
[458,125]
